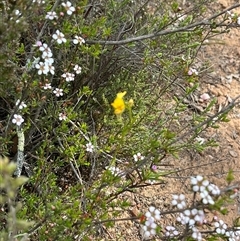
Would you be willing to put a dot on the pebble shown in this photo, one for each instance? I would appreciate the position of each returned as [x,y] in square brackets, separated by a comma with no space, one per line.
[233,153]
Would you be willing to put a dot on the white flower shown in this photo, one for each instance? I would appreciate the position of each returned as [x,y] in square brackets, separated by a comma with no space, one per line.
[151,181]
[145,232]
[18,16]
[153,213]
[198,183]
[192,71]
[149,228]
[206,198]
[196,234]
[51,15]
[182,219]
[38,1]
[42,68]
[171,231]
[77,69]
[68,76]
[238,20]
[59,37]
[200,217]
[237,233]
[200,140]
[89,147]
[17,12]
[51,69]
[79,40]
[150,223]
[191,217]
[213,189]
[58,92]
[47,86]
[220,227]
[114,170]
[179,201]
[46,51]
[47,55]
[230,15]
[68,6]
[48,60]
[62,116]
[17,119]
[21,105]
[42,47]
[231,236]
[38,44]
[138,157]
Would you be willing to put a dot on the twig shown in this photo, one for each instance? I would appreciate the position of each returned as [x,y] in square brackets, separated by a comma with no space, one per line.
[207,121]
[88,139]
[77,173]
[37,226]
[163,32]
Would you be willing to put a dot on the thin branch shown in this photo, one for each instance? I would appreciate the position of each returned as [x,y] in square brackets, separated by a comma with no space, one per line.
[76,172]
[37,226]
[163,32]
[210,119]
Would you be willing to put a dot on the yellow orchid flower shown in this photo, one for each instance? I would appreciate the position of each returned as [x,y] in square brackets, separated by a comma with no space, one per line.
[118,104]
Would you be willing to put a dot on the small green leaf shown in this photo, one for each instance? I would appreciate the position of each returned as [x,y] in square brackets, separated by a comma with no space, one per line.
[230,177]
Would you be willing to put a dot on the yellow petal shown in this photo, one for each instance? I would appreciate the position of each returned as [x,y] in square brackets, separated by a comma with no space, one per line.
[118,105]
[121,94]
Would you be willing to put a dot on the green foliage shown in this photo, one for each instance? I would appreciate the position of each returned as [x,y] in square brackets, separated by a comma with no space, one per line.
[213,238]
[9,188]
[230,177]
[72,190]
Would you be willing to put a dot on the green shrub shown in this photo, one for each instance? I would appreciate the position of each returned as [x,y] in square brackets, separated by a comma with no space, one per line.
[80,156]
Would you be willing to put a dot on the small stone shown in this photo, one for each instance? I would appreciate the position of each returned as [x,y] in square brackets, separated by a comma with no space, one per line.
[233,153]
